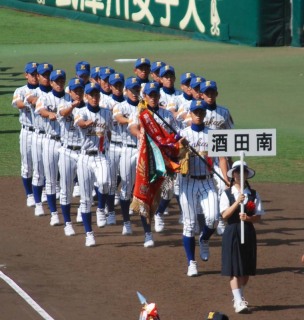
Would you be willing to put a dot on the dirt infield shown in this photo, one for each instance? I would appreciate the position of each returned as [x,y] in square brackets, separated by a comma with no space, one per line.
[70,281]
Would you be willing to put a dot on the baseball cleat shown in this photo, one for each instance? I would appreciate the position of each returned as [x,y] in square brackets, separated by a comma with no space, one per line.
[39,210]
[90,239]
[127,228]
[204,249]
[101,218]
[111,219]
[241,306]
[30,201]
[68,229]
[192,269]
[54,219]
[159,223]
[149,243]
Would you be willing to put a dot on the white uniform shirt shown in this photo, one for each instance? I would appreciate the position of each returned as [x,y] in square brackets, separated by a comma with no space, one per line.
[25,114]
[225,204]
[92,135]
[219,118]
[199,141]
[70,134]
[38,121]
[165,114]
[115,133]
[170,101]
[125,109]
[53,104]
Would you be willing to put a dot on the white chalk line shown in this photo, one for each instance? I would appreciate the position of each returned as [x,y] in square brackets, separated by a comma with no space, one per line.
[26,297]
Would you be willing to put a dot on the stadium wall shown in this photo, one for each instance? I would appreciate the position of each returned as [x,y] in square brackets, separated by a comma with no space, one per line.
[250,22]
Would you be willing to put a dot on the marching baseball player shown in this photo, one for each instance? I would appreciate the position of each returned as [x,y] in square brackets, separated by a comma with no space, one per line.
[95,125]
[43,70]
[185,99]
[47,106]
[27,128]
[151,94]
[217,117]
[129,152]
[116,81]
[105,88]
[69,152]
[155,67]
[94,74]
[197,189]
[142,68]
[195,83]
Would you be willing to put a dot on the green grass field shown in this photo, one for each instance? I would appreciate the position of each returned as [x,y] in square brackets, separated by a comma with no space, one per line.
[262,87]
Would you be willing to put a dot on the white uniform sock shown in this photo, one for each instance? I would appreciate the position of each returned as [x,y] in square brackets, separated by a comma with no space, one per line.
[237,295]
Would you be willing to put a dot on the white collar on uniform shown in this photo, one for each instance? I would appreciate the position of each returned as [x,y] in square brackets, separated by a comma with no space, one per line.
[234,190]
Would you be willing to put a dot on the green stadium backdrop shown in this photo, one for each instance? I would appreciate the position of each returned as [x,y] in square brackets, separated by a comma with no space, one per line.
[250,22]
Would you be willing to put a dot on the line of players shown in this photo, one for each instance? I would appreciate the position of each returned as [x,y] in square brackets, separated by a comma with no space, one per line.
[88,133]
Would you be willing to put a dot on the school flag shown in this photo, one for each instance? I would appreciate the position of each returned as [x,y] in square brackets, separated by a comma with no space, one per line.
[166,142]
[150,172]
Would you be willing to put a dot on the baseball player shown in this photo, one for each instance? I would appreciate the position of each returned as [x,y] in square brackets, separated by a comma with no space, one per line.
[142,68]
[105,89]
[151,94]
[129,152]
[94,74]
[43,70]
[27,128]
[197,188]
[217,117]
[155,67]
[69,152]
[47,106]
[169,99]
[195,83]
[95,125]
[116,81]
[185,99]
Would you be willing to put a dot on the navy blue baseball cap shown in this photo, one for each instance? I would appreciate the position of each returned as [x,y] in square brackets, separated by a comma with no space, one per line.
[131,83]
[151,87]
[197,104]
[196,81]
[31,67]
[155,66]
[105,72]
[185,77]
[94,73]
[116,77]
[56,74]
[82,68]
[141,61]
[91,87]
[44,67]
[75,83]
[166,69]
[208,84]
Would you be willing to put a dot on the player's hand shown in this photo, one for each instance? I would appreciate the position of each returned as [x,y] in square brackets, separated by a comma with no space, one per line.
[52,116]
[240,198]
[243,216]
[75,103]
[89,123]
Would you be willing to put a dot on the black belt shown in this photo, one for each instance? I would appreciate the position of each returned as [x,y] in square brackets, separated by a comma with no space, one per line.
[56,138]
[28,128]
[41,131]
[209,176]
[91,152]
[131,145]
[74,148]
[116,143]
